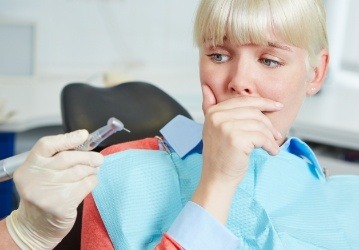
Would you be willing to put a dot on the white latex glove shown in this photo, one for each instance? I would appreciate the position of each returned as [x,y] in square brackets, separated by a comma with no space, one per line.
[51,183]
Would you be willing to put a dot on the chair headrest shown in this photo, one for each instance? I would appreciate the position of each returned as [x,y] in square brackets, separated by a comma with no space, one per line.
[142,107]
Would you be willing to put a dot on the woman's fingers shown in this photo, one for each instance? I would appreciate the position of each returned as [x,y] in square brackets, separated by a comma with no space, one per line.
[262,104]
[247,118]
[262,141]
[245,135]
[209,98]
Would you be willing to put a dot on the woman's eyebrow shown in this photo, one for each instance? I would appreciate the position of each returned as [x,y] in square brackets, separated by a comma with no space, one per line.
[279,46]
[213,47]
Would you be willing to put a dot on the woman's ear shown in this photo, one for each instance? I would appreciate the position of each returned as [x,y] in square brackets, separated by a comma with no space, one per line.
[320,72]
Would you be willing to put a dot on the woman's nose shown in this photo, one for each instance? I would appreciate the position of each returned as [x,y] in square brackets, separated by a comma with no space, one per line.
[241,80]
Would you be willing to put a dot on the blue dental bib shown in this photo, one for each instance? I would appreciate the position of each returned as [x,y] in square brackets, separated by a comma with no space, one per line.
[283,202]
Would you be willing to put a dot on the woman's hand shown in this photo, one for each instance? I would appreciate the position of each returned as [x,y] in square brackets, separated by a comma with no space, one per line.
[232,129]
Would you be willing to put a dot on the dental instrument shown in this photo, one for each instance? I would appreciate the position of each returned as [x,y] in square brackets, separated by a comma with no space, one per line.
[9,165]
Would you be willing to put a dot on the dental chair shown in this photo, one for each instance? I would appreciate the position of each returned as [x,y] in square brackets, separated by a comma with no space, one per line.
[142,107]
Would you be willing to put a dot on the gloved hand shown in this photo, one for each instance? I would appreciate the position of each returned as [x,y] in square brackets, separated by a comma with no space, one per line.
[51,184]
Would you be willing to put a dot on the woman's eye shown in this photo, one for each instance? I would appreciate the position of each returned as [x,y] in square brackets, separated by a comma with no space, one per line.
[270,63]
[219,58]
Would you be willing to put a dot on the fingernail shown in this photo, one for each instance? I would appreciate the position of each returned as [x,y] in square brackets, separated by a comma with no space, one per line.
[280,136]
[279,104]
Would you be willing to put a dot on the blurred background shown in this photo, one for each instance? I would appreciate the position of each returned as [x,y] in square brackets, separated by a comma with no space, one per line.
[77,35]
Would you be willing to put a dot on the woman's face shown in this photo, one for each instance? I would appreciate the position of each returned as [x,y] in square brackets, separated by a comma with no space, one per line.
[277,71]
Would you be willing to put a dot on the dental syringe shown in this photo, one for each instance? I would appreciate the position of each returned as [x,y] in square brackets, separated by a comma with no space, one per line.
[9,165]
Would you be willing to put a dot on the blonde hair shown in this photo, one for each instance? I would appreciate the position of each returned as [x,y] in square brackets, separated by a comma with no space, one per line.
[300,23]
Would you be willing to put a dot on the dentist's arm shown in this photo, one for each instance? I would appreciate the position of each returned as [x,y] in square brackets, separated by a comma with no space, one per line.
[51,183]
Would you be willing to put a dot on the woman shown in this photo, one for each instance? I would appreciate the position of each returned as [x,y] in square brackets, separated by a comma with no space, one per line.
[258,61]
